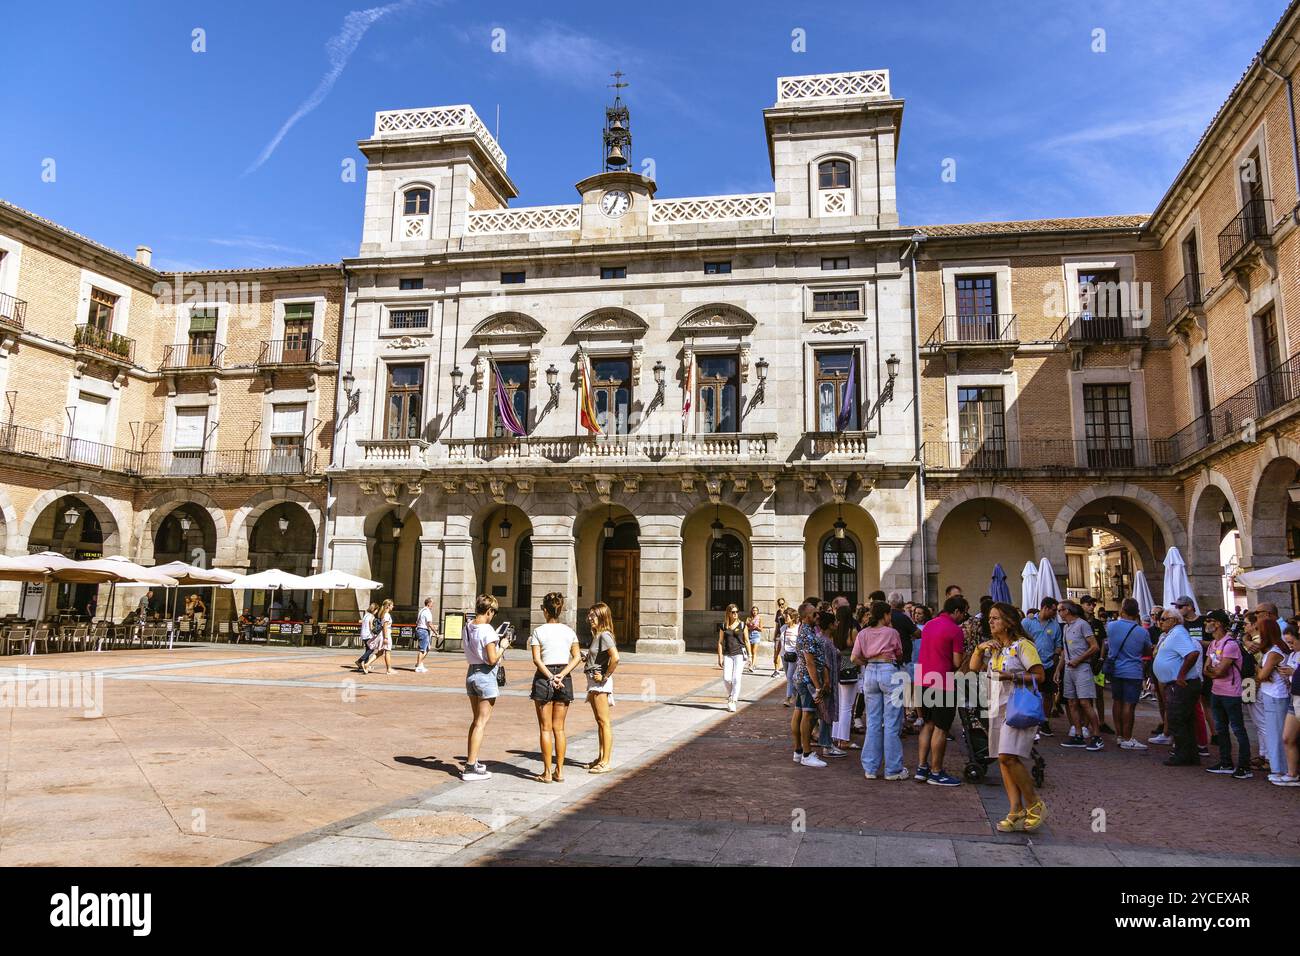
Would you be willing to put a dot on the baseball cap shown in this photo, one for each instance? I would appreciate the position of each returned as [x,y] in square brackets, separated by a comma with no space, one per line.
[1185,601]
[1087,599]
[1220,616]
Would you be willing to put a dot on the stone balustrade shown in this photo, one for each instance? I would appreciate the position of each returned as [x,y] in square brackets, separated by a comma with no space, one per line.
[791,90]
[712,209]
[393,451]
[498,222]
[438,119]
[623,448]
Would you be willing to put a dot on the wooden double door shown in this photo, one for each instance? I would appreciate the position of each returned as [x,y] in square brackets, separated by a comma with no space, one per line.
[620,588]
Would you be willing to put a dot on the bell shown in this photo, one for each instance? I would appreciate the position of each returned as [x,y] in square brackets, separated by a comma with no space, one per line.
[615,157]
[616,126]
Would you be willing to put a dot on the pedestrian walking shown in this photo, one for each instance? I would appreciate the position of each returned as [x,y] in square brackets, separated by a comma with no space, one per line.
[382,642]
[366,634]
[754,627]
[733,653]
[484,651]
[600,663]
[786,647]
[556,655]
[423,634]
[1013,662]
[878,650]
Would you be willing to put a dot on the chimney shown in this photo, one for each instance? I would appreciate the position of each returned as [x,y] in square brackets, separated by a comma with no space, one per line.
[143,255]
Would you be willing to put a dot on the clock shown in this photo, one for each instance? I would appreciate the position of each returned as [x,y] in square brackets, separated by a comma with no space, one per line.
[615,202]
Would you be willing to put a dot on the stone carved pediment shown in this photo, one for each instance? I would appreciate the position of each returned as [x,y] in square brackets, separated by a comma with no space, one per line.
[406,342]
[718,319]
[611,321]
[836,327]
[507,326]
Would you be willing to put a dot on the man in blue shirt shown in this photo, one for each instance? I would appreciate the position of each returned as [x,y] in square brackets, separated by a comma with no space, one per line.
[1045,631]
[1177,667]
[1126,641]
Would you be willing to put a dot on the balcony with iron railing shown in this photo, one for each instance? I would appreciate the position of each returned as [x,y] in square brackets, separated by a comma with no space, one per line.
[1245,233]
[13,313]
[1085,328]
[94,342]
[998,456]
[1238,415]
[729,446]
[1184,299]
[192,355]
[46,447]
[281,353]
[229,462]
[974,331]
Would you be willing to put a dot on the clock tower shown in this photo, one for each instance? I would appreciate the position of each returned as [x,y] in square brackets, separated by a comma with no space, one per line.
[616,202]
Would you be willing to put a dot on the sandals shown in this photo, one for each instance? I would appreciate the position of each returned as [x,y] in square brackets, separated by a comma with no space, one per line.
[1035,816]
[542,778]
[598,768]
[1014,821]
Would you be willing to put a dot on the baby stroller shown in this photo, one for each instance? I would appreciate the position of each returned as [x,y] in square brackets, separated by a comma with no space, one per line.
[975,730]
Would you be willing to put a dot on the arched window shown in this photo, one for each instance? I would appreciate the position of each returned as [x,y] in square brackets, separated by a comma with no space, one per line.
[524,573]
[833,174]
[416,202]
[726,573]
[840,568]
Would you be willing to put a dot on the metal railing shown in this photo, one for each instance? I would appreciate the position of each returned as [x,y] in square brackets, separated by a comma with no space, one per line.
[975,330]
[1185,295]
[1236,414]
[233,462]
[1089,327]
[13,312]
[408,319]
[189,355]
[93,339]
[1250,225]
[47,446]
[998,455]
[291,352]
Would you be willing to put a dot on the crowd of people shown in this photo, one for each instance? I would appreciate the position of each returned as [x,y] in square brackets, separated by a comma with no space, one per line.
[892,667]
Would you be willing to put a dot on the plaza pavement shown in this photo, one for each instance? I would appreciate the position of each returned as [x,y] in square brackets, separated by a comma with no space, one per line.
[274,756]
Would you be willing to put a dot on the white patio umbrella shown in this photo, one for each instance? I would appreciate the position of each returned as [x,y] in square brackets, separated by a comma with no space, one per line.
[191,576]
[1029,587]
[1176,581]
[16,569]
[1046,584]
[335,580]
[1267,577]
[125,571]
[269,580]
[1142,594]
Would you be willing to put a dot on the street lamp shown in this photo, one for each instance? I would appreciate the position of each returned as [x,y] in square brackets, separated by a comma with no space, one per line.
[398,524]
[840,527]
[985,523]
[71,515]
[1226,516]
[353,395]
[608,527]
[658,400]
[184,521]
[283,523]
[458,390]
[761,367]
[716,527]
[504,527]
[1112,515]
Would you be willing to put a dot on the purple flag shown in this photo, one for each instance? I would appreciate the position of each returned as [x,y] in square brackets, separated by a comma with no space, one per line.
[845,416]
[505,411]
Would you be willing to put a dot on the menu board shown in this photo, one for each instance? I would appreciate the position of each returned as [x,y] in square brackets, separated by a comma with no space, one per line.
[344,628]
[453,625]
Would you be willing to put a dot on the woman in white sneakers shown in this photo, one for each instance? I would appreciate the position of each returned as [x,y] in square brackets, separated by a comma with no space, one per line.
[733,653]
[484,649]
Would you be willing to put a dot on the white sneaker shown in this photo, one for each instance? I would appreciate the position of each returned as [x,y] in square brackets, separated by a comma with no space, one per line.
[858,724]
[870,776]
[1162,739]
[1074,732]
[812,760]
[421,669]
[731,706]
[901,775]
[1135,744]
[473,773]
[797,756]
[1286,780]
[835,752]
[1275,777]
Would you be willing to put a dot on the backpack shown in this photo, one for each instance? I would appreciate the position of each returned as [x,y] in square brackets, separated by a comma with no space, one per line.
[1249,666]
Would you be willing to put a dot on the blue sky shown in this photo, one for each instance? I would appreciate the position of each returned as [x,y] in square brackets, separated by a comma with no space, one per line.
[200,156]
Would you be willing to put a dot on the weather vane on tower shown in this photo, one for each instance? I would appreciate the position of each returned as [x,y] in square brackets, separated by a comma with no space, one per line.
[617,139]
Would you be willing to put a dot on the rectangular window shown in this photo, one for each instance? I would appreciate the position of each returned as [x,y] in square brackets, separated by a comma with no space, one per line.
[410,285]
[298,318]
[408,319]
[839,300]
[513,278]
[981,426]
[188,441]
[613,272]
[717,268]
[288,425]
[89,424]
[977,307]
[832,370]
[404,408]
[1201,389]
[1108,425]
[514,378]
[102,305]
[202,336]
[1276,386]
[1101,303]
[835,263]
[718,393]
[612,393]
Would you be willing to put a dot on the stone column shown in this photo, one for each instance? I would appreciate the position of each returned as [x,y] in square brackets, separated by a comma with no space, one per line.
[777,572]
[555,568]
[458,578]
[660,612]
[896,567]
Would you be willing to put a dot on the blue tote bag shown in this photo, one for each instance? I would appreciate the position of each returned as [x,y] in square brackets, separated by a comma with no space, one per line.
[1025,707]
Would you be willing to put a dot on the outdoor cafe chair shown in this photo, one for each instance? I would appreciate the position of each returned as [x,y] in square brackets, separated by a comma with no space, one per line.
[19,636]
[76,638]
[41,635]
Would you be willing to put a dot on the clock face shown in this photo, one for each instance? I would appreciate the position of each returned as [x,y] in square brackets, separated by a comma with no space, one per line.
[615,202]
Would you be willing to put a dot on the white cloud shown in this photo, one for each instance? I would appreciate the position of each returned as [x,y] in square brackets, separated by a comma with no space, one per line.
[339,49]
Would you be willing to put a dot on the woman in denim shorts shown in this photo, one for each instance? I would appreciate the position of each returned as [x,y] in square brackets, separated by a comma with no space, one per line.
[483,653]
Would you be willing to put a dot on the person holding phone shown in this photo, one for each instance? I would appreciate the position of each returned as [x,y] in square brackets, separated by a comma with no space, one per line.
[601,662]
[484,649]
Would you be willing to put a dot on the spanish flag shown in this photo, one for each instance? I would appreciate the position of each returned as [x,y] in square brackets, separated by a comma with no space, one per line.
[587,404]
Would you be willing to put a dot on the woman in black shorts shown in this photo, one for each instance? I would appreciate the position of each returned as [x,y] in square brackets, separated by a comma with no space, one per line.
[556,655]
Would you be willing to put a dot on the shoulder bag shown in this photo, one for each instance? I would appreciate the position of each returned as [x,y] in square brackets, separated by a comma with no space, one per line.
[1108,665]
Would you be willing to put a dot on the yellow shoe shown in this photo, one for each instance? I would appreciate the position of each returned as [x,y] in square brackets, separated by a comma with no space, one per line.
[1015,821]
[1035,816]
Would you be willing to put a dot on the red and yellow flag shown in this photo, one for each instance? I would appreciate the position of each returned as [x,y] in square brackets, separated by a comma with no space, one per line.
[587,404]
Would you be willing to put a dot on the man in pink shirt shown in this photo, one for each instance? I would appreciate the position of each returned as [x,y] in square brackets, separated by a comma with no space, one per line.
[942,647]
